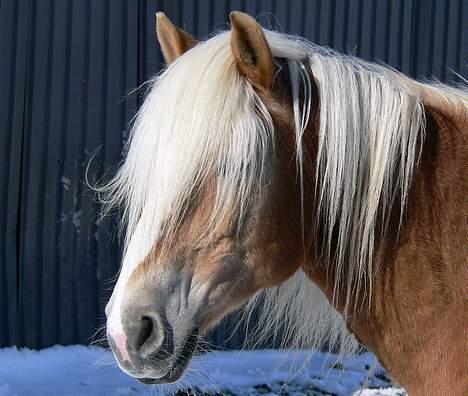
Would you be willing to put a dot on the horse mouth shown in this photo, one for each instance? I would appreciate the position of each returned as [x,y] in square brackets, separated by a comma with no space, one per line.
[179,365]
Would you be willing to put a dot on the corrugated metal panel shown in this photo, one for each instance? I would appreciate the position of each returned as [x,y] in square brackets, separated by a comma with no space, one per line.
[65,74]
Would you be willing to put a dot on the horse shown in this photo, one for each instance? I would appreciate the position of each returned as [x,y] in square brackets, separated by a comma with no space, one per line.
[262,168]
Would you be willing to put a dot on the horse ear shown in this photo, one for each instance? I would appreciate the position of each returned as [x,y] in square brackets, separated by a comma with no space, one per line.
[251,50]
[174,41]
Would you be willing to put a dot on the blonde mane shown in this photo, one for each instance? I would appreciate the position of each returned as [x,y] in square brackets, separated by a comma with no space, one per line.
[202,118]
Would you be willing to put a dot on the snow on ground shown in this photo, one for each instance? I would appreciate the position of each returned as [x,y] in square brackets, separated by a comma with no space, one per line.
[89,371]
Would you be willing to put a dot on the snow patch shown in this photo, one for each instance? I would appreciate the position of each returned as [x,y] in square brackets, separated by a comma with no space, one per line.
[88,371]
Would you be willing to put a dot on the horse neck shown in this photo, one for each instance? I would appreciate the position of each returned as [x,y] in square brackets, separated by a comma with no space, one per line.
[420,272]
[322,274]
[447,118]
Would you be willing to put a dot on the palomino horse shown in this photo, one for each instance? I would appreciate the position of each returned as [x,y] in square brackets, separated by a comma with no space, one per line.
[334,188]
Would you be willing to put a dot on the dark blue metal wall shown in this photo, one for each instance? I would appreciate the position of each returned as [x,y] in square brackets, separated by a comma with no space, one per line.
[66,68]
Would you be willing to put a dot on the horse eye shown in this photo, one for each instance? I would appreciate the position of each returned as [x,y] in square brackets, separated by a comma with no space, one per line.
[225,168]
[222,170]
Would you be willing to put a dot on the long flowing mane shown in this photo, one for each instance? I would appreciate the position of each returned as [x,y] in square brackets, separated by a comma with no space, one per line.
[201,118]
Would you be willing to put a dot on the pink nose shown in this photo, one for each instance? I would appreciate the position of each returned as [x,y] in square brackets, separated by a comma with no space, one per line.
[119,339]
[135,337]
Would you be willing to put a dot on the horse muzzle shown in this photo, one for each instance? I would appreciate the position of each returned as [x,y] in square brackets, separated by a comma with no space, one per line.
[146,348]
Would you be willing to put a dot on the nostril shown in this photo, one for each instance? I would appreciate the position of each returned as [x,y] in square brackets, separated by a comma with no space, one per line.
[145,332]
[145,335]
